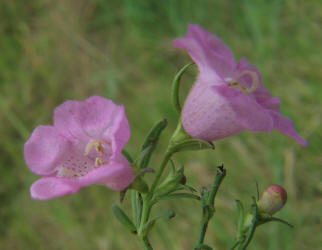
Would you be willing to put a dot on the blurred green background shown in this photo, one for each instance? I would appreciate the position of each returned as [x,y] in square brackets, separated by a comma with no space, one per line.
[122,49]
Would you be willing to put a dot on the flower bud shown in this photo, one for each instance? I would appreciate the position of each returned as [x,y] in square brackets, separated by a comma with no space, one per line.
[272,200]
[183,180]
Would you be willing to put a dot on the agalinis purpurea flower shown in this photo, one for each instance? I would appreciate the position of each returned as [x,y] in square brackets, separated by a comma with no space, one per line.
[83,147]
[227,97]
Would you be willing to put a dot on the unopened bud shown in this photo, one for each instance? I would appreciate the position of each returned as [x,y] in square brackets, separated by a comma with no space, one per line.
[272,200]
[183,180]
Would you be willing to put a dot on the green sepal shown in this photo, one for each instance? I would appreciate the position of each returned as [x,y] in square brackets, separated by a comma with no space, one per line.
[165,214]
[151,142]
[175,88]
[281,221]
[181,141]
[139,184]
[192,144]
[123,218]
[171,182]
[265,218]
[240,220]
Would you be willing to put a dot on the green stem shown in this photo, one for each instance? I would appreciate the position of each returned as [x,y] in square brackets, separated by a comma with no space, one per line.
[208,208]
[252,230]
[147,204]
[202,231]
[235,245]
[221,173]
[164,162]
[250,237]
[146,243]
[146,208]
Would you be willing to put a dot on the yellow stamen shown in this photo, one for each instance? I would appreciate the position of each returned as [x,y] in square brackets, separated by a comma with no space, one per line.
[97,143]
[98,161]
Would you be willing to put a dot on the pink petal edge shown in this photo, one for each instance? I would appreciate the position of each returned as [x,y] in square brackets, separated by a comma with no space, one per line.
[44,149]
[115,175]
[50,187]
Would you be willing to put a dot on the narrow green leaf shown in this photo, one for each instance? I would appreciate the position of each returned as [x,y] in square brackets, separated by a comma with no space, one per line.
[139,205]
[151,142]
[123,218]
[281,221]
[127,155]
[192,144]
[179,196]
[172,168]
[240,220]
[175,88]
[185,187]
[134,206]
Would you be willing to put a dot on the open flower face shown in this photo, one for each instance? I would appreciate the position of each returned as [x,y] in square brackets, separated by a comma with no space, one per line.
[83,147]
[227,97]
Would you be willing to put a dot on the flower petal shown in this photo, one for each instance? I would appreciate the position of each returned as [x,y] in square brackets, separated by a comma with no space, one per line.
[98,114]
[208,51]
[50,187]
[208,115]
[66,119]
[285,125]
[262,95]
[242,66]
[44,150]
[96,117]
[116,175]
[249,114]
[118,132]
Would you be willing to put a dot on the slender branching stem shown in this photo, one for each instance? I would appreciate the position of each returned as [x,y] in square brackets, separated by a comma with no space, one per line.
[146,243]
[208,208]
[235,245]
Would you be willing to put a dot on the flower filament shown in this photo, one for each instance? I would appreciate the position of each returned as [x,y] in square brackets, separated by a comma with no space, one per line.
[98,144]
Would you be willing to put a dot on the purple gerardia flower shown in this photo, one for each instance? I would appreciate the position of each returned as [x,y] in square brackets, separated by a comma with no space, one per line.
[83,147]
[227,97]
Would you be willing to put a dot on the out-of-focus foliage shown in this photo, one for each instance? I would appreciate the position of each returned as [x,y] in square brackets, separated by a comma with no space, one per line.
[57,50]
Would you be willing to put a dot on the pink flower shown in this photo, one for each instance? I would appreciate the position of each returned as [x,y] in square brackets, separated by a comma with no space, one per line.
[227,97]
[83,147]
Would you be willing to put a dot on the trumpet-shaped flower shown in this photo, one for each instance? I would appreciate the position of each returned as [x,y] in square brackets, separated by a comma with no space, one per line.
[83,147]
[227,97]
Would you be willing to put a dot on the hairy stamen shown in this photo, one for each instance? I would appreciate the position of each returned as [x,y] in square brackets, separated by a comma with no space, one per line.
[98,161]
[97,143]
